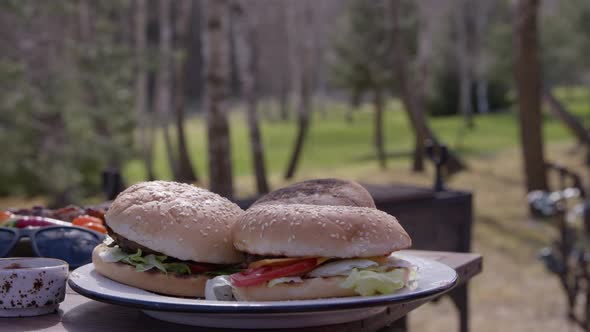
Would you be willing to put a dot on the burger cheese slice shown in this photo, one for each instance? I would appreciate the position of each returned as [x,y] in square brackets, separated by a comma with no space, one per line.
[301,251]
[169,238]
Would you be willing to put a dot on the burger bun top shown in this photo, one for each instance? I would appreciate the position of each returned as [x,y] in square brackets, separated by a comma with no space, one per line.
[302,230]
[177,220]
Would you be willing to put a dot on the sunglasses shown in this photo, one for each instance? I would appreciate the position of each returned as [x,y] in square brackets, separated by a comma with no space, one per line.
[68,243]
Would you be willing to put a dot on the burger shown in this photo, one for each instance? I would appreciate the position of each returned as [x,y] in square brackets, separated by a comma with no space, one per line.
[168,238]
[300,251]
[330,191]
[316,239]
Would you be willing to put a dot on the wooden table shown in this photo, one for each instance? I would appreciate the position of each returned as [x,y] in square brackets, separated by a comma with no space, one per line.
[78,313]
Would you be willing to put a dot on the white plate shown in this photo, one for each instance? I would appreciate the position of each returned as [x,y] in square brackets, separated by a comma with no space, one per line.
[433,278]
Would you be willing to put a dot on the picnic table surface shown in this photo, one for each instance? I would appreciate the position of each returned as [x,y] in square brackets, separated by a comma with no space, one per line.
[78,313]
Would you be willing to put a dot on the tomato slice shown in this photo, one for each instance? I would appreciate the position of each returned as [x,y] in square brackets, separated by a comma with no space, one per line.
[5,215]
[95,227]
[86,219]
[252,277]
[199,268]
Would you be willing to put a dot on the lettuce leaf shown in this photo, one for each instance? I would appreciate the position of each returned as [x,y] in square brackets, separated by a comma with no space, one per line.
[366,282]
[144,263]
[112,255]
[341,267]
[177,267]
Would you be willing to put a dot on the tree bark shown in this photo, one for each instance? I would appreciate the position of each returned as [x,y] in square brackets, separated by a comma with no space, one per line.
[288,84]
[217,75]
[463,64]
[303,77]
[528,81]
[411,101]
[195,63]
[413,94]
[186,172]
[247,45]
[141,89]
[284,100]
[378,124]
[483,104]
[164,81]
[480,21]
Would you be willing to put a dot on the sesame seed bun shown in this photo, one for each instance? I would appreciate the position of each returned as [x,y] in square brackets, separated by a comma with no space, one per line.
[300,230]
[154,281]
[320,192]
[178,220]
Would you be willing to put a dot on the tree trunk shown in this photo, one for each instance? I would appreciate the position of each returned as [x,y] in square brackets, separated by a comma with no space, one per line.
[304,82]
[410,99]
[217,75]
[480,19]
[246,46]
[284,100]
[302,128]
[528,79]
[164,81]
[483,104]
[194,68]
[141,88]
[186,172]
[413,94]
[463,64]
[378,130]
[288,86]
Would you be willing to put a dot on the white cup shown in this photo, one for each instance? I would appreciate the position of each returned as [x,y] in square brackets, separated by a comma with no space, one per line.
[31,286]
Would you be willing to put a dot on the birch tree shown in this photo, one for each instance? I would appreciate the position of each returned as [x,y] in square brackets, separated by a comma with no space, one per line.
[246,33]
[301,39]
[186,172]
[413,89]
[216,41]
[144,132]
[164,81]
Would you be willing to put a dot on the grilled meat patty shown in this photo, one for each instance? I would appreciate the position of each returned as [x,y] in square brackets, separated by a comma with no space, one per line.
[128,245]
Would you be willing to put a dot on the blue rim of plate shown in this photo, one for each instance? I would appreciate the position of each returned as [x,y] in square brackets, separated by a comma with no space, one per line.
[227,307]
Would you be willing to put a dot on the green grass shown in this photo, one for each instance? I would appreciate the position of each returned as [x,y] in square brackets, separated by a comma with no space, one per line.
[333,142]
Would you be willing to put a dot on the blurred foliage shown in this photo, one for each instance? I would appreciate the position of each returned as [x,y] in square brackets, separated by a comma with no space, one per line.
[361,54]
[565,41]
[362,50]
[65,108]
[444,95]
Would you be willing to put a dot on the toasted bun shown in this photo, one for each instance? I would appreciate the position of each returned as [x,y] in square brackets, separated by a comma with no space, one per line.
[320,192]
[154,281]
[299,230]
[313,288]
[177,220]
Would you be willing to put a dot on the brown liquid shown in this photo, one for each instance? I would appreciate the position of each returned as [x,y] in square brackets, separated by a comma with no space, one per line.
[15,266]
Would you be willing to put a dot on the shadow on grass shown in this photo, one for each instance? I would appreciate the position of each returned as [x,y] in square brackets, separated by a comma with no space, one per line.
[388,155]
[502,179]
[463,152]
[511,232]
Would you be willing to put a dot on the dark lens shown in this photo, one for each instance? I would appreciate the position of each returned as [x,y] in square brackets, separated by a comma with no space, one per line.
[69,244]
[6,241]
